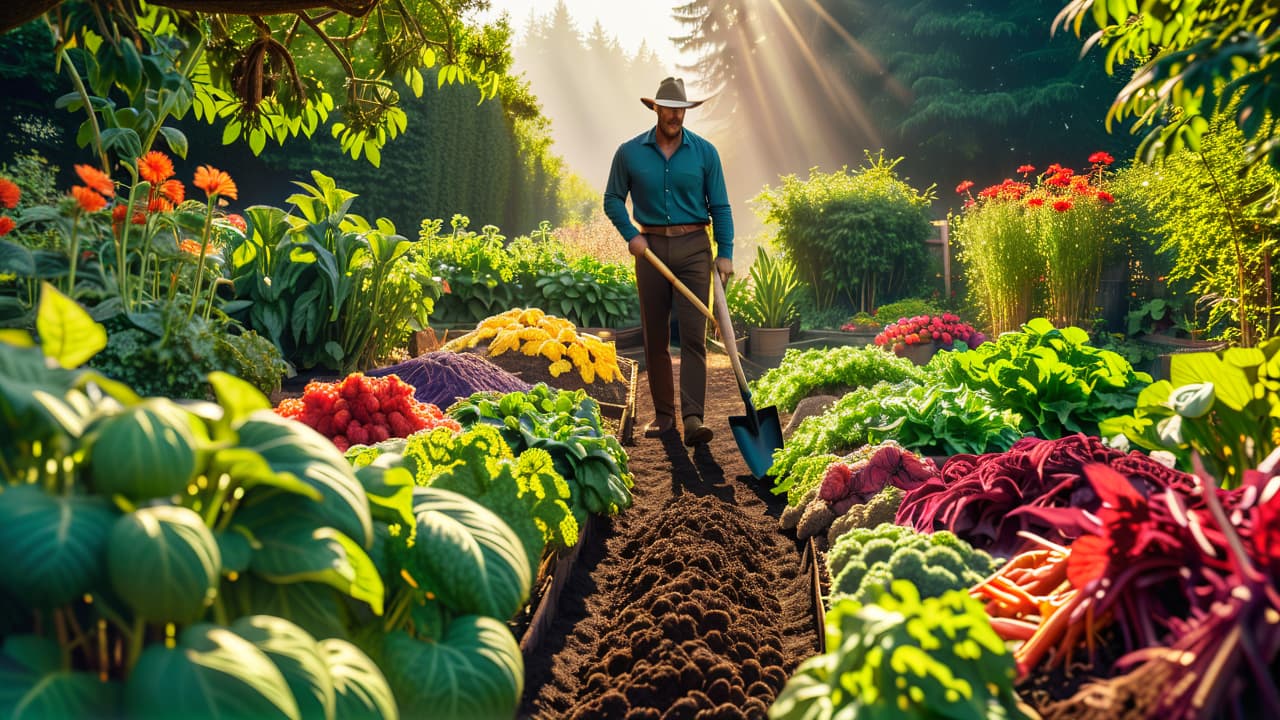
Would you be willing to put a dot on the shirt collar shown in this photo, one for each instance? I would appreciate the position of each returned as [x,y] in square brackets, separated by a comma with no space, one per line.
[651,137]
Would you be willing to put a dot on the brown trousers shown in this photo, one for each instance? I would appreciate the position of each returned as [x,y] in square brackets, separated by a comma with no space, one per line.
[689,258]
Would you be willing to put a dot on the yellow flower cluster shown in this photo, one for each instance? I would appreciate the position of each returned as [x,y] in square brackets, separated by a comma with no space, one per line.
[533,332]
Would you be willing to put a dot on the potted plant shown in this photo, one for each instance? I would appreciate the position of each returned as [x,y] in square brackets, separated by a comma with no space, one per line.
[772,307]
[919,338]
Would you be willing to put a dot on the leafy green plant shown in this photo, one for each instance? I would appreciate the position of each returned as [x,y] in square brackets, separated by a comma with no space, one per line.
[1001,264]
[773,291]
[932,418]
[130,515]
[567,424]
[860,234]
[902,657]
[829,371]
[1222,406]
[1054,379]
[526,492]
[325,285]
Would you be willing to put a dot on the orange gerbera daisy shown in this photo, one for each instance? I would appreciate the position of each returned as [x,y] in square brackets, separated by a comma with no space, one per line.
[215,182]
[9,193]
[174,190]
[96,179]
[155,167]
[89,200]
[6,225]
[158,205]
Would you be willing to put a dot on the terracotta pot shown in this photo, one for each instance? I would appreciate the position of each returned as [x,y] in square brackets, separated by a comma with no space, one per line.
[918,354]
[770,342]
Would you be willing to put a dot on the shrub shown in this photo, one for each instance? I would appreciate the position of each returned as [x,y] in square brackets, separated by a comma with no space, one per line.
[858,234]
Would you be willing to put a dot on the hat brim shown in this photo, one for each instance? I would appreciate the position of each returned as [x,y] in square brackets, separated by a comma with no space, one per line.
[650,102]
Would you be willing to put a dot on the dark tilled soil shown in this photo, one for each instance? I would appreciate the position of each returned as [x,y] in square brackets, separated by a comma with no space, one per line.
[691,604]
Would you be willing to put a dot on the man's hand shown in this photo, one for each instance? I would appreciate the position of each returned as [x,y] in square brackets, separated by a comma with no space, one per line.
[724,266]
[637,245]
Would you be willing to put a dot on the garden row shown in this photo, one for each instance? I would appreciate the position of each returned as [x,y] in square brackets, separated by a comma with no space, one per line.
[216,558]
[1032,528]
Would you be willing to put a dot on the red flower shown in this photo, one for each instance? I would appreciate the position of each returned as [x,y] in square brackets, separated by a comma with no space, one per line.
[155,167]
[1101,158]
[1025,169]
[965,185]
[215,182]
[89,200]
[96,179]
[1062,205]
[237,222]
[174,190]
[1035,202]
[1106,197]
[9,193]
[159,204]
[6,225]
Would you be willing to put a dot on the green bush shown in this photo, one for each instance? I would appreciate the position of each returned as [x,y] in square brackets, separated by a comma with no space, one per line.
[1200,212]
[906,308]
[860,234]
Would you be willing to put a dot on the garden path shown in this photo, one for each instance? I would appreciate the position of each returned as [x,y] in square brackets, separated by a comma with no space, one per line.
[692,602]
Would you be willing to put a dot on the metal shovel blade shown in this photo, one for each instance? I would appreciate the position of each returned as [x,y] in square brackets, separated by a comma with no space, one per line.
[758,434]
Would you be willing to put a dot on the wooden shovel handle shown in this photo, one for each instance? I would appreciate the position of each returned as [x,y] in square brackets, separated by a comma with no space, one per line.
[724,325]
[684,289]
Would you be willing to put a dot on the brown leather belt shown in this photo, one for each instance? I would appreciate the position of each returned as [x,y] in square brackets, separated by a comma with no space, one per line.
[672,230]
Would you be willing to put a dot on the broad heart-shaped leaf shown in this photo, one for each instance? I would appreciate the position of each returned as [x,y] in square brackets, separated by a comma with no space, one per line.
[361,690]
[291,446]
[33,685]
[294,549]
[467,556]
[1231,386]
[389,489]
[248,469]
[314,607]
[55,547]
[23,372]
[236,548]
[211,673]
[164,563]
[67,333]
[475,671]
[298,657]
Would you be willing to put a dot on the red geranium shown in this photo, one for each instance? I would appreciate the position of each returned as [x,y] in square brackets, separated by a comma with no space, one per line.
[1101,158]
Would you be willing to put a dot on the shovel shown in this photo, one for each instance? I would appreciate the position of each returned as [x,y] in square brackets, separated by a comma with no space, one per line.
[758,432]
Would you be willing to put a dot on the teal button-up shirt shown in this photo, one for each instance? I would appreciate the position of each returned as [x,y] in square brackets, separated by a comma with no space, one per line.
[686,188]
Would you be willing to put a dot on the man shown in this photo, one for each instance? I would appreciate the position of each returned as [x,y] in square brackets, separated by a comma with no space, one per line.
[677,187]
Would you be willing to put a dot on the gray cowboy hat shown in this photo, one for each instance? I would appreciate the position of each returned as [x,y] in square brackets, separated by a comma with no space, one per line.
[670,94]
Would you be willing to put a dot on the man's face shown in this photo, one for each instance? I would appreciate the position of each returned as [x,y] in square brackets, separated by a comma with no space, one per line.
[670,121]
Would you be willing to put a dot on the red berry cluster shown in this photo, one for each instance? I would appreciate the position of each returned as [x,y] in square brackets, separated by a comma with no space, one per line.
[360,410]
[942,329]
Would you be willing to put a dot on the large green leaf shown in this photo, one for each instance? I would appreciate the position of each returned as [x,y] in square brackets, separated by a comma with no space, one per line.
[314,607]
[147,451]
[67,333]
[298,657]
[54,547]
[467,556]
[362,690]
[164,562]
[211,673]
[291,446]
[1230,383]
[239,399]
[34,686]
[293,549]
[474,672]
[23,372]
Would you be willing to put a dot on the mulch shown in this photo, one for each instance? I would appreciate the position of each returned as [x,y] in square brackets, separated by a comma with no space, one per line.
[692,603]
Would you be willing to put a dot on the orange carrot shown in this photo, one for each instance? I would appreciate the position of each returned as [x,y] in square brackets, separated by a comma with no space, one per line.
[1011,629]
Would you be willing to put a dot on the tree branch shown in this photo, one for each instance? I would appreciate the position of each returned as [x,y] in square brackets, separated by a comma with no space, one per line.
[19,12]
